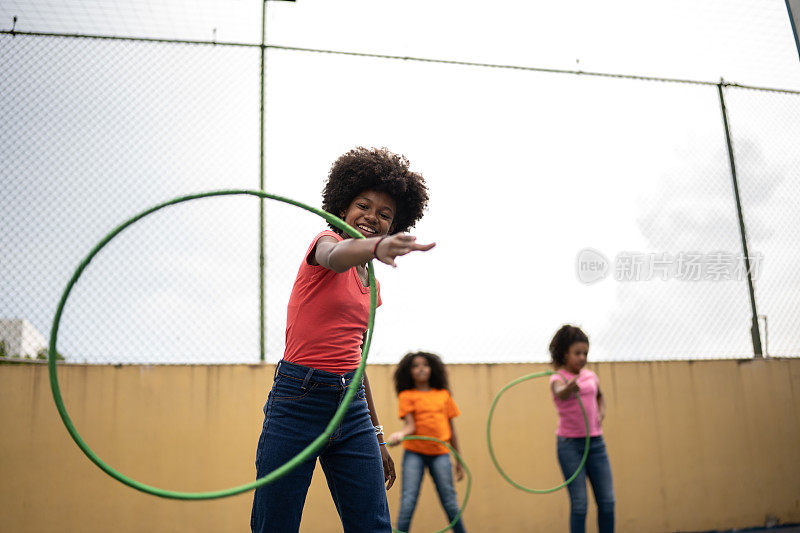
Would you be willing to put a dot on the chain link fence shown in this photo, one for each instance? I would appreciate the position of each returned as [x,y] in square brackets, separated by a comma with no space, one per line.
[97,131]
[554,198]
[766,131]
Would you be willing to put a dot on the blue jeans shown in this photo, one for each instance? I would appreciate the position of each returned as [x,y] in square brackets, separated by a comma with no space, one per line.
[442,473]
[570,452]
[300,405]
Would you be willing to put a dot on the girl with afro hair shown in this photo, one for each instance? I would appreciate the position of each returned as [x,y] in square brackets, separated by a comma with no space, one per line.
[374,191]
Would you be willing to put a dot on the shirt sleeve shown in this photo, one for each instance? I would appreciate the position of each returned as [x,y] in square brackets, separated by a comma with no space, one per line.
[406,404]
[326,233]
[452,408]
[319,270]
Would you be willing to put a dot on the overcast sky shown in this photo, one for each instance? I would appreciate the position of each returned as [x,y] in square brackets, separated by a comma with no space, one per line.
[525,170]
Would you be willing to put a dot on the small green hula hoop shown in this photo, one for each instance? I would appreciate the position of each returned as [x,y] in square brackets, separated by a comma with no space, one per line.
[489,437]
[278,472]
[462,463]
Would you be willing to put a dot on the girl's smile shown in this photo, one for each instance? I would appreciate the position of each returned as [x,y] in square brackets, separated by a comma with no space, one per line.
[371,213]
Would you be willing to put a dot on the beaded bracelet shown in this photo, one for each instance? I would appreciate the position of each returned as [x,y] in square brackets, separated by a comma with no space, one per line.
[375,248]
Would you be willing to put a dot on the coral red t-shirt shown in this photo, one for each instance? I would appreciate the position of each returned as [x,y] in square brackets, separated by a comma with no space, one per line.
[327,316]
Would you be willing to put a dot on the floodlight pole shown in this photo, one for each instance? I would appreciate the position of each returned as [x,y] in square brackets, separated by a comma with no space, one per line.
[754,332]
[261,262]
[262,330]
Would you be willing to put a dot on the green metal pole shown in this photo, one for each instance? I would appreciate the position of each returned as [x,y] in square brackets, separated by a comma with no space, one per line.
[754,333]
[261,262]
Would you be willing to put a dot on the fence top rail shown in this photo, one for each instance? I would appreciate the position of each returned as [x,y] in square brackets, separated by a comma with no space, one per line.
[743,359]
[722,83]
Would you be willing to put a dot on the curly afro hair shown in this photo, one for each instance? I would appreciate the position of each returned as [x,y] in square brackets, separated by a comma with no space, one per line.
[562,340]
[402,374]
[376,169]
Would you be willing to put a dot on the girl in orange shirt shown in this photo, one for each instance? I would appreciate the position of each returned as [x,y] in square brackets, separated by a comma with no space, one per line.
[428,410]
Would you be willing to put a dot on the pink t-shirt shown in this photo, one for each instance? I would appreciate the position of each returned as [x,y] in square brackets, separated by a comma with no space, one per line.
[570,417]
[326,317]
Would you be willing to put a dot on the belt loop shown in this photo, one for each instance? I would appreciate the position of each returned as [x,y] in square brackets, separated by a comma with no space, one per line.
[308,376]
[277,367]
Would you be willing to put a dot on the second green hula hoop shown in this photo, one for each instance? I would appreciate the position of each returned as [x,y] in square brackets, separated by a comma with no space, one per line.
[469,479]
[278,472]
[489,437]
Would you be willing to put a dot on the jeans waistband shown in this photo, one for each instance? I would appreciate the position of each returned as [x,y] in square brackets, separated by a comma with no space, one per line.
[313,375]
[580,439]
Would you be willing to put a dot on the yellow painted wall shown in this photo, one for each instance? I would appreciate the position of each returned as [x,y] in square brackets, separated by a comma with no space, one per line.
[693,446]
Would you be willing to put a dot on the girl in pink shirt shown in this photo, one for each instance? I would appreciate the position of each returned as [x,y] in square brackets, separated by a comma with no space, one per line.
[568,350]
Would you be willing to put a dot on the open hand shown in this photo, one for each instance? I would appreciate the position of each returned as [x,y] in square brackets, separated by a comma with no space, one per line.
[396,245]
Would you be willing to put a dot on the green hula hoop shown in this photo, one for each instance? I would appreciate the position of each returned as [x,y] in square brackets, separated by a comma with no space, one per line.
[462,463]
[278,472]
[489,437]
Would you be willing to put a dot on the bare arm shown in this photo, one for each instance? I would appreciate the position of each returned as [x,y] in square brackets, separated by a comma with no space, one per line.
[408,429]
[454,445]
[340,256]
[371,406]
[388,464]
[564,390]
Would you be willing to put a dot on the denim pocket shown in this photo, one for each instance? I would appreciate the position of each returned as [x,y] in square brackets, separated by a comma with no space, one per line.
[289,388]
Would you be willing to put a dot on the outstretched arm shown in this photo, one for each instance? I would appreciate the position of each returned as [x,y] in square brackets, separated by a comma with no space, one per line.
[564,390]
[408,429]
[340,256]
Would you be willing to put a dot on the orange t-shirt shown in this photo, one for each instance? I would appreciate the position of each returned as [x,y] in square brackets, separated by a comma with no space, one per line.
[326,317]
[432,410]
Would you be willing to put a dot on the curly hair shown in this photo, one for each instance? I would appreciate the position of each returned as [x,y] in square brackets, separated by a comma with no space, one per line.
[376,169]
[565,337]
[402,374]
